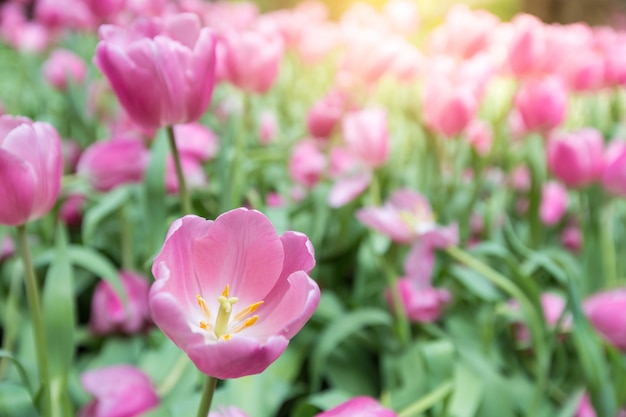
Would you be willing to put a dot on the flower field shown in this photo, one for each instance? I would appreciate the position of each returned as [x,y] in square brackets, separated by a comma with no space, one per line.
[211,209]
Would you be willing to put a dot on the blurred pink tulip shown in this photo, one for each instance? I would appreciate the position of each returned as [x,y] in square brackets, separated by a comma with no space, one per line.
[64,66]
[64,14]
[325,114]
[553,203]
[585,408]
[119,391]
[448,108]
[359,407]
[542,103]
[22,34]
[231,293]
[71,210]
[553,306]
[251,59]
[307,163]
[31,166]
[528,51]
[103,9]
[108,164]
[227,412]
[480,136]
[583,70]
[572,238]
[268,127]
[576,158]
[162,70]
[7,247]
[367,137]
[110,315]
[421,304]
[607,313]
[197,141]
[193,172]
[614,175]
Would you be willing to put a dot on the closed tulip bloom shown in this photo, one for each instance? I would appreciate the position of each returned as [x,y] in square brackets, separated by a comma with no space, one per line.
[231,293]
[614,175]
[576,158]
[110,315]
[112,163]
[268,127]
[528,52]
[553,203]
[64,66]
[197,141]
[251,59]
[325,114]
[367,136]
[480,136]
[307,163]
[119,391]
[542,103]
[448,108]
[607,313]
[359,407]
[162,70]
[31,166]
[71,210]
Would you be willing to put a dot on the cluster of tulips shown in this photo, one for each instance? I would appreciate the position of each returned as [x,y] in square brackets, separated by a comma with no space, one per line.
[220,212]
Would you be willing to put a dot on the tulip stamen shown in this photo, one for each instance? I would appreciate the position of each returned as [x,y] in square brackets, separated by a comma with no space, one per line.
[247,323]
[247,311]
[223,315]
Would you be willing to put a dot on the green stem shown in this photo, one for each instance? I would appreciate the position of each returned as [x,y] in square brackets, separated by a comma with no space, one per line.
[182,186]
[126,239]
[207,396]
[427,401]
[607,242]
[403,327]
[32,296]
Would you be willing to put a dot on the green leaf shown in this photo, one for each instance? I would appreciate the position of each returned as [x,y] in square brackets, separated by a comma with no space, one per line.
[153,195]
[109,203]
[99,265]
[468,392]
[15,401]
[20,369]
[476,283]
[339,330]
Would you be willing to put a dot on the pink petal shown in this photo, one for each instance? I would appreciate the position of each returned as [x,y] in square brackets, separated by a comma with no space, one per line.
[299,254]
[17,189]
[348,188]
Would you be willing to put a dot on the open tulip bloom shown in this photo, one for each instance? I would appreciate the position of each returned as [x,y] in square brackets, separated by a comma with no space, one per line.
[231,292]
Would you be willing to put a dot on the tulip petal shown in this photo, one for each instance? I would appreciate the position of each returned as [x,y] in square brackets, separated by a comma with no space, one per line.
[299,254]
[17,189]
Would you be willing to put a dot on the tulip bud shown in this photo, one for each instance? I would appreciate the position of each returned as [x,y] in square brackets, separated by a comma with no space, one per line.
[576,158]
[607,313]
[62,67]
[542,103]
[614,175]
[553,203]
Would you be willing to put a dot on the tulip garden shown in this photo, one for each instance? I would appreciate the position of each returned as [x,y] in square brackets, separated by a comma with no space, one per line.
[213,209]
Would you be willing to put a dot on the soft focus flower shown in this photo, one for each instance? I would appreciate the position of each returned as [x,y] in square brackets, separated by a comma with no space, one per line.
[403,15]
[103,9]
[31,167]
[307,163]
[576,158]
[250,59]
[572,238]
[64,14]
[528,51]
[421,304]
[366,135]
[542,103]
[448,107]
[553,306]
[268,127]
[480,136]
[351,177]
[193,172]
[108,164]
[585,408]
[109,314]
[359,407]
[7,247]
[553,203]
[325,114]
[119,391]
[228,412]
[63,66]
[196,140]
[71,210]
[614,175]
[231,292]
[162,70]
[607,313]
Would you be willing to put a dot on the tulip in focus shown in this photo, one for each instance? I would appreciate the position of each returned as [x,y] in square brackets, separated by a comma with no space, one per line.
[162,70]
[31,166]
[553,203]
[108,313]
[614,175]
[359,407]
[64,66]
[231,293]
[607,313]
[576,158]
[542,103]
[119,391]
[109,164]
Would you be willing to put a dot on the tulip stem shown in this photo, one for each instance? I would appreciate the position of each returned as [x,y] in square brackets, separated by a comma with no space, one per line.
[607,243]
[207,396]
[185,201]
[32,296]
[126,240]
[427,401]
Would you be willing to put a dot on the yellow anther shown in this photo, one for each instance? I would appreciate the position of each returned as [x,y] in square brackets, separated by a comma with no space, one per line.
[247,311]
[203,307]
[205,326]
[225,292]
[225,337]
[247,323]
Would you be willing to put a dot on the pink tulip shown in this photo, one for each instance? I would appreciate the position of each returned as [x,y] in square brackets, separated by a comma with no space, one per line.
[162,70]
[228,412]
[480,136]
[231,293]
[71,210]
[572,238]
[359,406]
[361,62]
[351,176]
[119,391]
[20,33]
[519,178]
[110,315]
[196,141]
[108,164]
[583,70]
[193,172]
[421,304]
[103,9]
[71,152]
[31,167]
[251,59]
[542,103]
[576,158]
[325,114]
[7,247]
[366,134]
[62,67]
[307,163]
[268,127]
[404,217]
[553,306]
[317,42]
[64,14]
[614,175]
[553,203]
[585,408]
[607,313]
[448,108]
[528,51]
